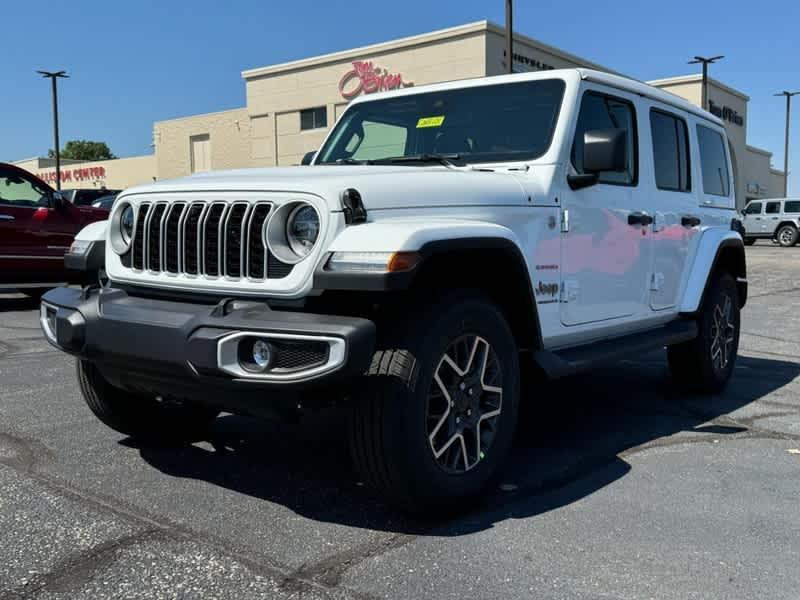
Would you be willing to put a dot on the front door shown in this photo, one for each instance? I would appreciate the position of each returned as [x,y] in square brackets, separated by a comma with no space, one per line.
[675,206]
[753,219]
[605,252]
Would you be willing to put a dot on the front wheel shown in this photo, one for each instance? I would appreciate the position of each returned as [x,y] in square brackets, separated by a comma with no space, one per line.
[706,363]
[787,236]
[141,416]
[435,416]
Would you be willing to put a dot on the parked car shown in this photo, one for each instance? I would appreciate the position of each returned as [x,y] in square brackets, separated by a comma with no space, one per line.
[37,227]
[776,219]
[105,202]
[443,239]
[87,197]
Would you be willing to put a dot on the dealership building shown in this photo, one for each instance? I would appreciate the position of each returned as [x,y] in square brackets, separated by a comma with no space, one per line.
[290,107]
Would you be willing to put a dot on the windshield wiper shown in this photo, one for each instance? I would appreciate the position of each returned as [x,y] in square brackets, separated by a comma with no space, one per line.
[425,157]
[350,161]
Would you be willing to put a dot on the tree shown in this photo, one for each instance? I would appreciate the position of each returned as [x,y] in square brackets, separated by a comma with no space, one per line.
[84,150]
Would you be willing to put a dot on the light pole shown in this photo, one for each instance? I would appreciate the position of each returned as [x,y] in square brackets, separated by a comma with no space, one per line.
[786,141]
[509,36]
[705,62]
[54,75]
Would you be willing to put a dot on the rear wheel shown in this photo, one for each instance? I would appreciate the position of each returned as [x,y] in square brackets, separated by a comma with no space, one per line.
[141,416]
[706,363]
[435,415]
[787,236]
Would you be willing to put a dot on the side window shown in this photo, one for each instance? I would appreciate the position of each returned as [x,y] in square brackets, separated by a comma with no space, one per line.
[670,152]
[792,206]
[16,190]
[754,208]
[599,111]
[713,162]
[773,208]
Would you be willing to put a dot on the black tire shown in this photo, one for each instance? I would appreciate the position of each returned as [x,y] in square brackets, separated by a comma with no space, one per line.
[390,419]
[139,416]
[695,365]
[748,241]
[787,236]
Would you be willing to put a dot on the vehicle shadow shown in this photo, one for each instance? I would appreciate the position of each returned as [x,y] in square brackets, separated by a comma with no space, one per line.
[14,302]
[572,440]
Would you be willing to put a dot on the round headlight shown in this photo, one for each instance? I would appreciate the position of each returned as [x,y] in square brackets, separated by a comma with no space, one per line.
[121,226]
[302,229]
[126,224]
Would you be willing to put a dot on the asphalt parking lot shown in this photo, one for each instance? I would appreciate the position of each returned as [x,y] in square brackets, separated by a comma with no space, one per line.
[618,487]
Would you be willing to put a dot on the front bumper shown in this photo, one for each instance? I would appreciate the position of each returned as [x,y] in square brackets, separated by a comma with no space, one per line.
[187,351]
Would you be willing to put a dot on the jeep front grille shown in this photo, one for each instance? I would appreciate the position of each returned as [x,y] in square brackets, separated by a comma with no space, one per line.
[214,239]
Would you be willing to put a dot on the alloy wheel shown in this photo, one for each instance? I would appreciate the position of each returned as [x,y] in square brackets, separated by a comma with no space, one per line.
[723,332]
[786,236]
[464,404]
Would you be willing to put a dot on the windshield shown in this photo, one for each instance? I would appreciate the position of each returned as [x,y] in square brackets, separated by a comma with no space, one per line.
[492,123]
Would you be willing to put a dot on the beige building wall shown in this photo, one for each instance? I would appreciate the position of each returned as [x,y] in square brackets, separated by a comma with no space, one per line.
[119,173]
[229,142]
[277,94]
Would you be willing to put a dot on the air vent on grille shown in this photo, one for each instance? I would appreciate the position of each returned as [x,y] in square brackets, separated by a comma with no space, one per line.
[211,241]
[234,232]
[171,235]
[205,238]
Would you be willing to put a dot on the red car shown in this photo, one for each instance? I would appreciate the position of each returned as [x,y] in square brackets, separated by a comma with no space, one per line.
[37,227]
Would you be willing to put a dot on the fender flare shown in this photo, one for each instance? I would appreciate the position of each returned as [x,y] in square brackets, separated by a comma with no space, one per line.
[709,253]
[94,256]
[429,239]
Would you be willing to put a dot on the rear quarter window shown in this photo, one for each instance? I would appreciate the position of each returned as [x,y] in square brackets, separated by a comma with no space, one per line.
[713,162]
[792,206]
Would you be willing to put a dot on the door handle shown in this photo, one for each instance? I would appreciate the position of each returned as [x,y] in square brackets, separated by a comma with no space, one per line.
[639,218]
[690,221]
[758,218]
[7,218]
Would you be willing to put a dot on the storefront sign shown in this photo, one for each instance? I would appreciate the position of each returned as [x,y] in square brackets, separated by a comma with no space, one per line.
[367,78]
[726,113]
[77,174]
[525,64]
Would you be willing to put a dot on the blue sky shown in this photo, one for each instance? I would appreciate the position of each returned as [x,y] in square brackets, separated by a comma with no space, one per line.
[133,63]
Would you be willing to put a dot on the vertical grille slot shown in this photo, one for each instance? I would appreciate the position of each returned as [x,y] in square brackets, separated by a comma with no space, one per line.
[138,237]
[154,238]
[212,230]
[256,252]
[234,234]
[192,239]
[171,237]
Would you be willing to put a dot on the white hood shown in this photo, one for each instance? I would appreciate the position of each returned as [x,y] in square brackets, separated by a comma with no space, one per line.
[381,187]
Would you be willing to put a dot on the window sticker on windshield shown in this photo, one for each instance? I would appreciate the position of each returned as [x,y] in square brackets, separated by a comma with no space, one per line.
[430,122]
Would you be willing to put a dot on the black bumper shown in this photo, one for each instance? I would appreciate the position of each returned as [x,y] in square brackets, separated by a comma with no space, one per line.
[170,348]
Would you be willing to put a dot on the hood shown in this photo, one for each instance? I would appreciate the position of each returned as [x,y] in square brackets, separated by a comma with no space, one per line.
[381,187]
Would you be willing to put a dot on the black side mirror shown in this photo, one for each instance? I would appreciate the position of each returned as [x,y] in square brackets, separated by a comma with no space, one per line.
[308,158]
[603,150]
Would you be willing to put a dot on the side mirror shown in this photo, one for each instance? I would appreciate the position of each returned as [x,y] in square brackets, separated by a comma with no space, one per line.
[59,201]
[603,150]
[308,158]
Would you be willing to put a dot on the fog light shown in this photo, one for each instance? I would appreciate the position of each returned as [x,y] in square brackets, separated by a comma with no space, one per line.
[256,355]
[262,354]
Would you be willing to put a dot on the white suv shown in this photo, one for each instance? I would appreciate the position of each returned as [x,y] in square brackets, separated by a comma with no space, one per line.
[443,239]
[775,219]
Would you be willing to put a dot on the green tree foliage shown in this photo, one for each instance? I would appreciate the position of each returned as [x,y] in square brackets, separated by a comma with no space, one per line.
[84,150]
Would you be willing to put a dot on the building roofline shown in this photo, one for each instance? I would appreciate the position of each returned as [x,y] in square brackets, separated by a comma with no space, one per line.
[404,42]
[495,28]
[777,172]
[697,78]
[758,150]
[198,115]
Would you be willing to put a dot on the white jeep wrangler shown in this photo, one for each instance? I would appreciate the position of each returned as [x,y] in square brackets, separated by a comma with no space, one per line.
[443,239]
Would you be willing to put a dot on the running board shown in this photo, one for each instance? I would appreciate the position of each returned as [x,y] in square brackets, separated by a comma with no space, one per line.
[569,361]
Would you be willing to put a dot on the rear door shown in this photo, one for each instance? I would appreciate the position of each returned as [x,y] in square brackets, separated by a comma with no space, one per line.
[673,203]
[753,218]
[772,217]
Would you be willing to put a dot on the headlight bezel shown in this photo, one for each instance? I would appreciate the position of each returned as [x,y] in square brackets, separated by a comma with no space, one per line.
[120,240]
[276,232]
